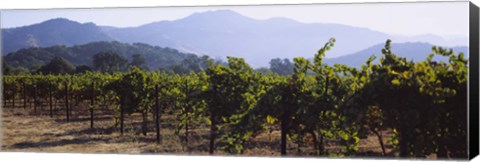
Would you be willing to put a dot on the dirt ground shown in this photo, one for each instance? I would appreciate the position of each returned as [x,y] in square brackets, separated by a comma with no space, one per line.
[25,130]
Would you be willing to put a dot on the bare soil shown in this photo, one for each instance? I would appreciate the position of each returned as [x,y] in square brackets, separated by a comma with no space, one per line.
[25,130]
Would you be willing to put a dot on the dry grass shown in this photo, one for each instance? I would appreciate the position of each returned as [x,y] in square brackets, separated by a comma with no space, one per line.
[26,131]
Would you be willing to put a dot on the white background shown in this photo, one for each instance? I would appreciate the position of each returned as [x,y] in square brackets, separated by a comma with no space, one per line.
[53,157]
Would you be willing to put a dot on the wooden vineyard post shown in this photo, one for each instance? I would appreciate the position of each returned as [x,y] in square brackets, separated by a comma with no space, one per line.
[4,100]
[14,94]
[66,102]
[283,133]
[50,88]
[213,128]
[186,112]
[157,116]
[34,98]
[321,148]
[92,102]
[122,105]
[24,96]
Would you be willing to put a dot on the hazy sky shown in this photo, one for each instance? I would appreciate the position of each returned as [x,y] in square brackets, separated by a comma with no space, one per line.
[440,18]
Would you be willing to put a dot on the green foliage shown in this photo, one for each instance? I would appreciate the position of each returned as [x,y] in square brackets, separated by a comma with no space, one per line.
[423,104]
[154,57]
[192,63]
[82,69]
[413,100]
[57,65]
[109,62]
[281,67]
[138,61]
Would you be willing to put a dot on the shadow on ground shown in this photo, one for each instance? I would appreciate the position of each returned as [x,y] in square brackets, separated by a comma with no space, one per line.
[57,143]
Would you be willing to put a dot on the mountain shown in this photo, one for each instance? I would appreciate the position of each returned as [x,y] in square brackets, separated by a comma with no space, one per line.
[226,33]
[52,32]
[434,39]
[412,51]
[155,57]
[218,33]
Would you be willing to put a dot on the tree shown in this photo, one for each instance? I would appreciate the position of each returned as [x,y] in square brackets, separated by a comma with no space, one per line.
[263,70]
[6,68]
[109,62]
[82,69]
[192,63]
[57,65]
[281,67]
[138,61]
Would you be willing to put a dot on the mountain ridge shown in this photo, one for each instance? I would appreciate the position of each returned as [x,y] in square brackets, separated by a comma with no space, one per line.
[416,51]
[218,33]
[42,35]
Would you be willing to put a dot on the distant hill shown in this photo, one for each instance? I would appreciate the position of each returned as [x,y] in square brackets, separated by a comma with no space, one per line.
[155,57]
[52,32]
[217,33]
[411,51]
